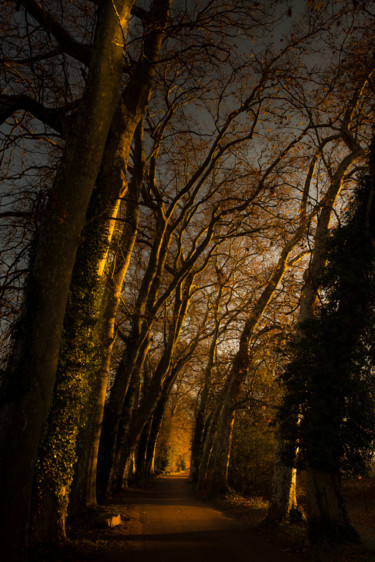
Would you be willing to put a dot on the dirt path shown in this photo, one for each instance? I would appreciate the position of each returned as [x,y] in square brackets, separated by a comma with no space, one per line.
[168,524]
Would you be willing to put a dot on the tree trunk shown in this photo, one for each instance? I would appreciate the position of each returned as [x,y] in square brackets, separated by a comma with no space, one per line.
[134,102]
[84,493]
[80,353]
[137,418]
[219,478]
[133,358]
[207,448]
[222,444]
[34,361]
[130,366]
[284,493]
[200,427]
[125,444]
[197,443]
[157,419]
[141,456]
[327,519]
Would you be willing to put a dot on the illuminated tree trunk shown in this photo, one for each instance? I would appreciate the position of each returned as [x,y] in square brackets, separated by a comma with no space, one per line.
[81,350]
[34,362]
[135,98]
[284,487]
[89,379]
[85,490]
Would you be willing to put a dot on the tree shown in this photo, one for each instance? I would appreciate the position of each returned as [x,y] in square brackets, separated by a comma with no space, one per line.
[352,124]
[79,376]
[217,157]
[31,370]
[181,193]
[84,492]
[328,409]
[201,415]
[242,360]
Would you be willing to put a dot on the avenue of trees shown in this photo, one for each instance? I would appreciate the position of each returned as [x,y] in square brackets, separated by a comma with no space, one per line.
[187,229]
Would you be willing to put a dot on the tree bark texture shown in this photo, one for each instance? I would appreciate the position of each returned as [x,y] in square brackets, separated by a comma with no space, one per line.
[134,101]
[81,349]
[34,362]
[284,497]
[84,492]
[327,518]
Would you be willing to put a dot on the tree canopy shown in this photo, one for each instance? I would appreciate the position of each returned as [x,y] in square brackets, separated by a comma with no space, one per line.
[181,187]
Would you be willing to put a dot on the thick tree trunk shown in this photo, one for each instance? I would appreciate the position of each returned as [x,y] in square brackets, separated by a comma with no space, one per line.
[327,519]
[89,437]
[283,501]
[80,353]
[134,102]
[34,361]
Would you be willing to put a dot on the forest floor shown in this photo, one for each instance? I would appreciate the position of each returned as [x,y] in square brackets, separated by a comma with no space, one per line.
[360,501]
[165,520]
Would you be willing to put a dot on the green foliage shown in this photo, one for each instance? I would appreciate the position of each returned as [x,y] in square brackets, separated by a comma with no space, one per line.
[253,453]
[329,408]
[79,362]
